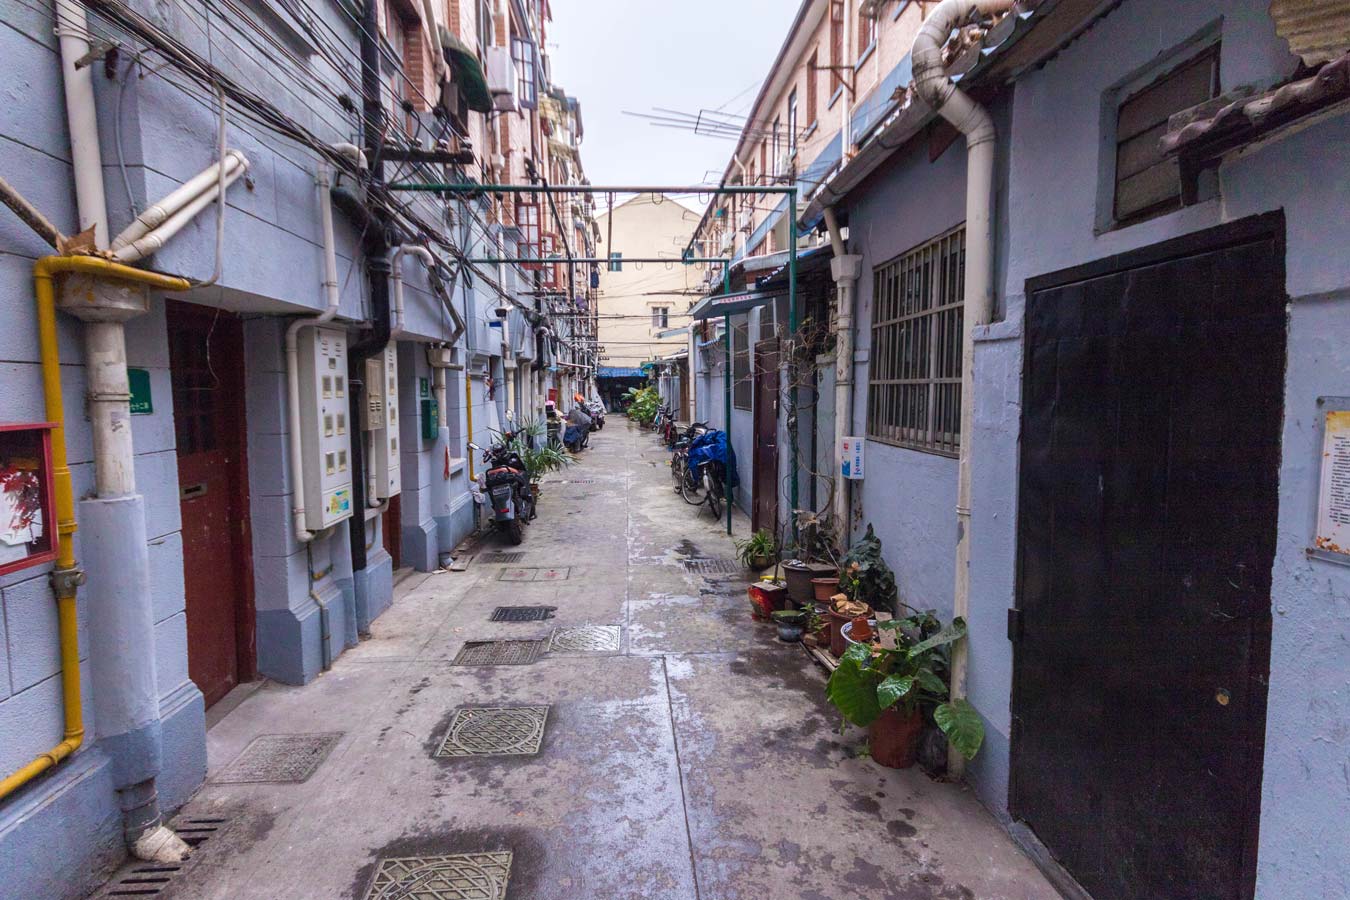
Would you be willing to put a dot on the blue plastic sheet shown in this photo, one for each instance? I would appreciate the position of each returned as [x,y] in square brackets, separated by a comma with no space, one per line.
[712,446]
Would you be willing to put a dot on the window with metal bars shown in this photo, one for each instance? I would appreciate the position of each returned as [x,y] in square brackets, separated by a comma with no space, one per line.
[914,390]
[741,387]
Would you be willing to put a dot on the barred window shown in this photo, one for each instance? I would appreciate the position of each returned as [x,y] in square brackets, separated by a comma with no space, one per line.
[914,396]
[741,388]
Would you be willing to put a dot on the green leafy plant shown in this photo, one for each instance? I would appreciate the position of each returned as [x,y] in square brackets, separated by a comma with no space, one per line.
[643,403]
[913,675]
[542,458]
[759,546]
[864,575]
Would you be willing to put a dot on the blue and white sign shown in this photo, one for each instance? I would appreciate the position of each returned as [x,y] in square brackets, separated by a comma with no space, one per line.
[851,458]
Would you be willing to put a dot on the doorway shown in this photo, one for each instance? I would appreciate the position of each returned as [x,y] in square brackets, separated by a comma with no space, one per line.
[1150,453]
[764,504]
[206,362]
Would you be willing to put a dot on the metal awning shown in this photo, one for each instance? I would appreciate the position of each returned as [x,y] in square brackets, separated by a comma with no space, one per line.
[717,305]
[468,72]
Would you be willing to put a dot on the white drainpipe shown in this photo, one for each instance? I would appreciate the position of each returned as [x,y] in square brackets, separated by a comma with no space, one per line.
[72,26]
[396,276]
[936,89]
[845,269]
[205,182]
[149,244]
[331,293]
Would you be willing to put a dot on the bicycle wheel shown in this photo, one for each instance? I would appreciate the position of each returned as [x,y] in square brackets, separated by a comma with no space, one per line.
[677,467]
[714,492]
[692,487]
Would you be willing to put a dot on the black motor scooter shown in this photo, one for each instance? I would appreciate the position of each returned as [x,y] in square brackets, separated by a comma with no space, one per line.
[504,487]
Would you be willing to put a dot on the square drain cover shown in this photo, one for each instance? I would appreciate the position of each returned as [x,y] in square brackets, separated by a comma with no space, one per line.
[586,639]
[498,653]
[495,731]
[522,613]
[461,876]
[535,574]
[494,559]
[712,566]
[289,758]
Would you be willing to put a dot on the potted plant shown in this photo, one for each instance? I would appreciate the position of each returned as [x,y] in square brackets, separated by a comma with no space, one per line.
[864,576]
[758,551]
[791,623]
[889,691]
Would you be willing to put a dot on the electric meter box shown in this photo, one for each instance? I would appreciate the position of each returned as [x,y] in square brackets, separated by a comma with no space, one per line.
[27,496]
[383,415]
[324,428]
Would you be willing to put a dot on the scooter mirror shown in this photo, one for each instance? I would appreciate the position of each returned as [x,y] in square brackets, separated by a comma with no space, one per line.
[473,446]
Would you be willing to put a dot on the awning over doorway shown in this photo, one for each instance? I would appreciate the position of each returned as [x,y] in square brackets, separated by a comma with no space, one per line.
[718,305]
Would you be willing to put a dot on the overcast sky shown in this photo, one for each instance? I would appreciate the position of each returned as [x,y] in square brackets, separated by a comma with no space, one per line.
[616,55]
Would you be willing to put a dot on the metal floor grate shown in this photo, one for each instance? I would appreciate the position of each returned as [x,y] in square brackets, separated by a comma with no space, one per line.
[499,558]
[709,566]
[460,876]
[498,653]
[495,731]
[522,613]
[279,758]
[586,639]
[144,879]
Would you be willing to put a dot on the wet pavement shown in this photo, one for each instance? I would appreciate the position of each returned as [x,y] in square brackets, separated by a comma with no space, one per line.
[682,752]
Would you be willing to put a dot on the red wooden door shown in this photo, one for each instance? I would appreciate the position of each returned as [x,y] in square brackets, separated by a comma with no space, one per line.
[206,360]
[393,531]
[764,503]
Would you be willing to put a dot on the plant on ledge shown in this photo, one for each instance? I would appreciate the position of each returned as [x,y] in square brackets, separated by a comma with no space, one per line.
[864,575]
[876,687]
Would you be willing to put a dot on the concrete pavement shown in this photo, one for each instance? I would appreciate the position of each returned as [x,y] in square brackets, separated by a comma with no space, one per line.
[697,758]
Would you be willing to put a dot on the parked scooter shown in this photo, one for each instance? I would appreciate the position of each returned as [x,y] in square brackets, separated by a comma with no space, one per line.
[504,486]
[597,411]
[576,437]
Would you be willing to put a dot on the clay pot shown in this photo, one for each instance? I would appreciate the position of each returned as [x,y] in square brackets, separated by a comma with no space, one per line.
[799,579]
[894,738]
[837,622]
[824,588]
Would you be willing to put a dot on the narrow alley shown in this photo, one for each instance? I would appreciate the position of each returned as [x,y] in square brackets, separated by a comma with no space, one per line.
[682,751]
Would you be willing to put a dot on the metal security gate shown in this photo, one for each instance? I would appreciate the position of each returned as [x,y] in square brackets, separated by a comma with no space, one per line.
[1152,400]
[206,358]
[764,496]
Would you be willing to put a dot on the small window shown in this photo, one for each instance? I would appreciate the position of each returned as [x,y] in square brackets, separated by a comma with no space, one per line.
[660,316]
[914,383]
[522,52]
[616,262]
[741,387]
[867,33]
[1147,184]
[792,123]
[777,147]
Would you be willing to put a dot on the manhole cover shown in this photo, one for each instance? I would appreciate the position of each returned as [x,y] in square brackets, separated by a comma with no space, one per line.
[522,613]
[535,574]
[712,566]
[495,731]
[290,758]
[498,653]
[461,876]
[585,639]
[495,559]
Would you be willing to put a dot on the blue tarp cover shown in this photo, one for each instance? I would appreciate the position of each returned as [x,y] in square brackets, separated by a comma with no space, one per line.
[619,372]
[712,446]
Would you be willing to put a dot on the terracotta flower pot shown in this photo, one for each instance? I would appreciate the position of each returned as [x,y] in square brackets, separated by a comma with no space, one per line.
[824,588]
[799,579]
[894,738]
[837,622]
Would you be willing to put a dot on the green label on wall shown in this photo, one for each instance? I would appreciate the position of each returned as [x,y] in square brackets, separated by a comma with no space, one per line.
[140,392]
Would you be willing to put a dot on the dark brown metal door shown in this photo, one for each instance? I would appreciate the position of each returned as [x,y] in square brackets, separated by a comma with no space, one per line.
[392,531]
[764,503]
[1146,533]
[206,353]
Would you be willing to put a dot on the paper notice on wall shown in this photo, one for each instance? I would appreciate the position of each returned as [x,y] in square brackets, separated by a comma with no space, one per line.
[1333,502]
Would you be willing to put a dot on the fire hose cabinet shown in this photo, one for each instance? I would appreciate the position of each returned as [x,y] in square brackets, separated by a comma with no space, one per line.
[27,496]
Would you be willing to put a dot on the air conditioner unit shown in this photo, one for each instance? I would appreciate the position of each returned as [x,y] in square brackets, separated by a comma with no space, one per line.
[744,217]
[727,238]
[501,78]
[787,164]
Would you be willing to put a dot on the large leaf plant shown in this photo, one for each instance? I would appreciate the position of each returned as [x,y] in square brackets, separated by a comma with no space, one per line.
[913,675]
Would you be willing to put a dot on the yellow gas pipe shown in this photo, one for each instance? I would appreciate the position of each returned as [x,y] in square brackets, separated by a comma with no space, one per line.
[468,410]
[67,577]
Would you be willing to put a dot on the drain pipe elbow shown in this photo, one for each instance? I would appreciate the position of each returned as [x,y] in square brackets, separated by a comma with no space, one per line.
[930,77]
[396,278]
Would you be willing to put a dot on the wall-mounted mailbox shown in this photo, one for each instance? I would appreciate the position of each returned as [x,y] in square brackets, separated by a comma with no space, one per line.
[27,496]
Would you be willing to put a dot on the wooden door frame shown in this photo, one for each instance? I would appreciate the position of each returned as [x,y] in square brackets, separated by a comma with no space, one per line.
[1263,227]
[246,621]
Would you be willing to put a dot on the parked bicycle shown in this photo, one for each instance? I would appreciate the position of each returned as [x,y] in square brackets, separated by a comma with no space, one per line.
[702,469]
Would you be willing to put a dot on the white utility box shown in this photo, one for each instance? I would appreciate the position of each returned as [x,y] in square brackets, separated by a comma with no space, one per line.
[851,458]
[324,432]
[382,420]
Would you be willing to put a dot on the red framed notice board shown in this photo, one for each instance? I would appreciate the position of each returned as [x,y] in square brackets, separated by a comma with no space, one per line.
[27,496]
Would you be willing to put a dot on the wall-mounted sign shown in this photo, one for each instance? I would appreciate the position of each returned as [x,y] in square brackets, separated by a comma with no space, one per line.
[141,404]
[1333,499]
[27,497]
[851,458]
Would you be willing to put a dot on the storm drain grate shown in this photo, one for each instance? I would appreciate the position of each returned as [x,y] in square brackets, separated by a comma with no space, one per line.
[497,558]
[585,639]
[535,574]
[289,758]
[495,731]
[709,566]
[461,876]
[498,653]
[143,879]
[522,613]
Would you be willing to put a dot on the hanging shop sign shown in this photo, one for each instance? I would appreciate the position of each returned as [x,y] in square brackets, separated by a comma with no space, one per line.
[27,497]
[1333,499]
